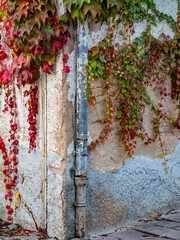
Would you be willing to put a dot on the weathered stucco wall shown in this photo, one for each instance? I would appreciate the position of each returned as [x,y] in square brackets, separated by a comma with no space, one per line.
[42,173]
[121,190]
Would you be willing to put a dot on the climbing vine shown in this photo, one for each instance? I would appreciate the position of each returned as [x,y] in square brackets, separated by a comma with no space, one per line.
[127,70]
[32,35]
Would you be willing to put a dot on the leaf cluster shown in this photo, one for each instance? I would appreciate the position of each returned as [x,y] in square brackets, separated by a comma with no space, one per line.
[35,34]
[127,10]
[127,71]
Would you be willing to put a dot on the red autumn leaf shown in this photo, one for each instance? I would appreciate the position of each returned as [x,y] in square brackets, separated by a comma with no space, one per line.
[26,93]
[15,150]
[22,59]
[9,218]
[5,77]
[9,193]
[6,163]
[13,158]
[57,46]
[7,25]
[47,67]
[14,127]
[10,211]
[4,157]
[15,177]
[15,142]
[26,75]
[15,170]
[12,136]
[3,55]
[65,58]
[8,186]
[15,163]
[19,83]
[5,172]
[66,69]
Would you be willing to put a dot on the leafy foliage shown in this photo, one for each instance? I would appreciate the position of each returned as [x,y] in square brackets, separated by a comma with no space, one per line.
[97,9]
[34,34]
[127,71]
[128,11]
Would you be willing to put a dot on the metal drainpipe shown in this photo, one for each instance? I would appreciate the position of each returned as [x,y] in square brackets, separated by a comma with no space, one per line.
[81,130]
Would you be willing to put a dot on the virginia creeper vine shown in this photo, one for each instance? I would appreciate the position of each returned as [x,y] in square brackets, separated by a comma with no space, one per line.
[128,69]
[33,34]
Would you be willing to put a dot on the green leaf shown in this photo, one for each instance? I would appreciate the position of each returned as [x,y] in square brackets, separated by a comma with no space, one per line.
[47,31]
[128,67]
[50,59]
[47,44]
[118,116]
[148,100]
[123,90]
[141,52]
[100,72]
[64,18]
[127,84]
[94,65]
[27,53]
[81,2]
[74,12]
[113,81]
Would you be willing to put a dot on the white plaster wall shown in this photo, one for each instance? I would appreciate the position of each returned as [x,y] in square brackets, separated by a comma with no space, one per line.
[42,173]
[29,167]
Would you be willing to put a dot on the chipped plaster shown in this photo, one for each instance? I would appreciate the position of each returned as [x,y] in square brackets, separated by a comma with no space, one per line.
[115,182]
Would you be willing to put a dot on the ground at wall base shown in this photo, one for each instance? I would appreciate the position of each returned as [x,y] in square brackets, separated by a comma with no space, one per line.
[163,227]
[16,232]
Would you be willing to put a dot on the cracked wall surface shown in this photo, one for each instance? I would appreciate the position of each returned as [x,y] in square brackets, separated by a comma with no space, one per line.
[42,202]
[122,190]
[119,190]
[45,176]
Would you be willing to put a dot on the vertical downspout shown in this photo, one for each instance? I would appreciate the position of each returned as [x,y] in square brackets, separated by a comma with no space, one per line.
[81,129]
